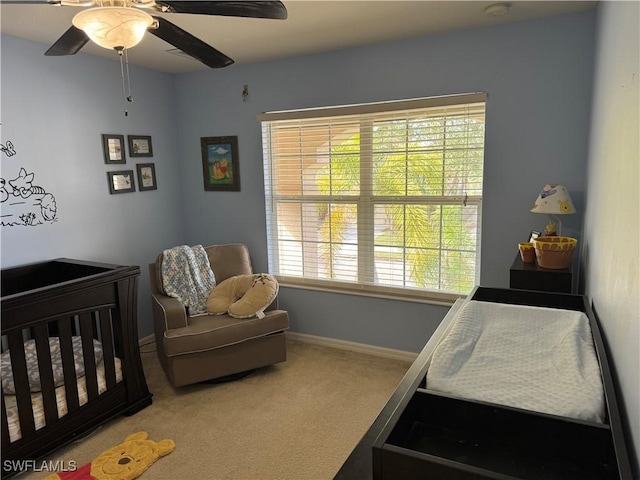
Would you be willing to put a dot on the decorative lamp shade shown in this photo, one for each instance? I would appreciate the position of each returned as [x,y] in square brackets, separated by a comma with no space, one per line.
[555,200]
[114,27]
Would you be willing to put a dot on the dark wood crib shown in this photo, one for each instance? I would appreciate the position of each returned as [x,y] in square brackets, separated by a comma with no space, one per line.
[72,302]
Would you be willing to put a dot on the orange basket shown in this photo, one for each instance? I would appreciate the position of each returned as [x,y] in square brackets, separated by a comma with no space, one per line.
[554,252]
[527,253]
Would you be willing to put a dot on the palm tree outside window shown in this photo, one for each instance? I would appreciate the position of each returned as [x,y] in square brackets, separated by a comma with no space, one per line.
[381,198]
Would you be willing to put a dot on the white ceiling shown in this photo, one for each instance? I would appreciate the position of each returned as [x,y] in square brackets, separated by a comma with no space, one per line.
[312,27]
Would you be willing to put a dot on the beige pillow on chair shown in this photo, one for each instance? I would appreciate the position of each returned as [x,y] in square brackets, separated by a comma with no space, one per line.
[243,296]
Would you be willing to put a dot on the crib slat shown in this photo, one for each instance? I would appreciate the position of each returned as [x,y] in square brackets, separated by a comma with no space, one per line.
[94,330]
[107,348]
[21,383]
[86,332]
[41,333]
[68,368]
[5,424]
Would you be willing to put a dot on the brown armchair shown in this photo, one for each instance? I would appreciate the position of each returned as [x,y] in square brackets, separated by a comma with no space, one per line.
[207,347]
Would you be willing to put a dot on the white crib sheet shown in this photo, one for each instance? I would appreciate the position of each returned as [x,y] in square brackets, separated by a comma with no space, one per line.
[534,358]
[61,400]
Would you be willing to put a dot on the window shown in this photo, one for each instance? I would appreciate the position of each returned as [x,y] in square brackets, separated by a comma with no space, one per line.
[380,198]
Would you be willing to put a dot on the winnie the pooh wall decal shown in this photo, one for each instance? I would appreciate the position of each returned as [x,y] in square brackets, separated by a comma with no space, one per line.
[23,203]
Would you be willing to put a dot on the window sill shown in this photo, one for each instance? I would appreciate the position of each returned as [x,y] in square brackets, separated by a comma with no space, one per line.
[389,293]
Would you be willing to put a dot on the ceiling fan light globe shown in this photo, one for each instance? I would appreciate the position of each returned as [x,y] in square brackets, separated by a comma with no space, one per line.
[114,27]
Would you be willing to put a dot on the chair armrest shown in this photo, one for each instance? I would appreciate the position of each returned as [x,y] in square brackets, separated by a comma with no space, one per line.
[168,312]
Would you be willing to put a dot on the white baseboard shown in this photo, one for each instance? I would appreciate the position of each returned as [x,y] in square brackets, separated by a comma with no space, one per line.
[333,343]
[353,346]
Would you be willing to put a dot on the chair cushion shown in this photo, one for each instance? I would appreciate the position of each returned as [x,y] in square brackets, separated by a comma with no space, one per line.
[208,332]
[229,260]
[243,296]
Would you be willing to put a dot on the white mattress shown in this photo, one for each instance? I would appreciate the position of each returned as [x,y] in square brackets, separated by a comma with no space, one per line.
[38,408]
[534,358]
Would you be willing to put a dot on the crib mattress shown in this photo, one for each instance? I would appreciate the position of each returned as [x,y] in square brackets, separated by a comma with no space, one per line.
[533,358]
[61,401]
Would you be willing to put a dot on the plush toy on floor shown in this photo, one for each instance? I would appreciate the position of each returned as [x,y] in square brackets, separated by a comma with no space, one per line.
[125,461]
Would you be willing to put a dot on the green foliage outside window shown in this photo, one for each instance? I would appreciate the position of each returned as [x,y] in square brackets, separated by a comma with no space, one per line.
[419,172]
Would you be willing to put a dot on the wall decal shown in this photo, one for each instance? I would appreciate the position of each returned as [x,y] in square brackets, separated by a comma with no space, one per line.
[8,149]
[24,203]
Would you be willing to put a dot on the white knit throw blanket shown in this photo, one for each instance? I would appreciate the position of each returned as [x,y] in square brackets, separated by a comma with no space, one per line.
[187,276]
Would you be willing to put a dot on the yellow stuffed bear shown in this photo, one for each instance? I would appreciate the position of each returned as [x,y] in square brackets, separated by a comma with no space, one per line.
[126,461]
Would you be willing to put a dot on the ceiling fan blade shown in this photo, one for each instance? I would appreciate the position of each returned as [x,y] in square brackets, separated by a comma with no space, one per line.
[275,10]
[189,44]
[69,43]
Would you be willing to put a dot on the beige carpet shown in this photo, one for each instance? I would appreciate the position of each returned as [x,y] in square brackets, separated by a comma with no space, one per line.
[296,420]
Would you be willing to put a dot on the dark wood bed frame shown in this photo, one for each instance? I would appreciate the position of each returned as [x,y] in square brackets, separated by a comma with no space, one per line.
[425,434]
[65,298]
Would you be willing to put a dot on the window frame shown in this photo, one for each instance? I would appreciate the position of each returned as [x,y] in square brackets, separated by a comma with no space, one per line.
[365,201]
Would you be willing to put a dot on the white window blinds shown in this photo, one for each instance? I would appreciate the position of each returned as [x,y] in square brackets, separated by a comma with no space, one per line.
[379,198]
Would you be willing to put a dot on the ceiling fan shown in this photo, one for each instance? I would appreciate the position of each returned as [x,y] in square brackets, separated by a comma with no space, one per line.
[121,24]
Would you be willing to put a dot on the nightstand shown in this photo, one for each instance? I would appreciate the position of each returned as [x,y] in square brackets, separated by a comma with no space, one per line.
[529,276]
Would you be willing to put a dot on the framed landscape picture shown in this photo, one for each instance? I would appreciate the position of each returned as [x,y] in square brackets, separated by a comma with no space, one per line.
[113,149]
[220,164]
[140,146]
[121,182]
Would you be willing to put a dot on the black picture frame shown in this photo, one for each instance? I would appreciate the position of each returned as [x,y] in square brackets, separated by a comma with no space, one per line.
[146,176]
[140,146]
[220,163]
[113,149]
[121,181]
[534,234]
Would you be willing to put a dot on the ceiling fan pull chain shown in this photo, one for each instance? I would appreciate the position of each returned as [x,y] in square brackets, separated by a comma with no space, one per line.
[126,86]
[126,61]
[124,92]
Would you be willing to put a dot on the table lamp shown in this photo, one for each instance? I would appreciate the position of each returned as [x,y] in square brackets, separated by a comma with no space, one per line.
[554,200]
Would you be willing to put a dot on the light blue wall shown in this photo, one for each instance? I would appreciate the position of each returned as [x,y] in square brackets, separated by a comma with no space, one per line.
[54,110]
[612,224]
[537,75]
[538,78]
